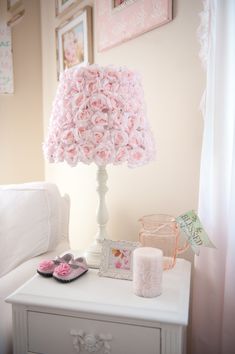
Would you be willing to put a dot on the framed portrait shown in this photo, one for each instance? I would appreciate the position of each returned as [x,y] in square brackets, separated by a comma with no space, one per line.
[74,41]
[121,20]
[116,259]
[12,5]
[61,6]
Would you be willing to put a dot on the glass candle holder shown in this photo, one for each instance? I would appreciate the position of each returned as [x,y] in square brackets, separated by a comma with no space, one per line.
[163,232]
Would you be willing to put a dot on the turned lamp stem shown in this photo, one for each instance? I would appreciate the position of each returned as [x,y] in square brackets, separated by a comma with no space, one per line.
[93,254]
[102,211]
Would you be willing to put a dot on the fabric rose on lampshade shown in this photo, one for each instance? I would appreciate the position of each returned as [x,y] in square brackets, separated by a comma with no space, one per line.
[99,116]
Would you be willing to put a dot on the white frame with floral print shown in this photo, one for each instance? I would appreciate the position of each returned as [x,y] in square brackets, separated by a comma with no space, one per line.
[121,252]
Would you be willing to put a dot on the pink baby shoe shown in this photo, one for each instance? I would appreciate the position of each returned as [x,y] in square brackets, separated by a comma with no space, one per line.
[47,266]
[67,272]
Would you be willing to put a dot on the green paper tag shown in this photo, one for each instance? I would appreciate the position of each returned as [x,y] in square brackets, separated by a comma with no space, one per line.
[193,230]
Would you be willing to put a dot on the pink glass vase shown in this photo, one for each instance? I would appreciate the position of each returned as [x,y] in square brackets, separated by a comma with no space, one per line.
[163,232]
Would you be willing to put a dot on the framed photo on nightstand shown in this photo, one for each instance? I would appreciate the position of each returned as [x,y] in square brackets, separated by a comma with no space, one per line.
[116,259]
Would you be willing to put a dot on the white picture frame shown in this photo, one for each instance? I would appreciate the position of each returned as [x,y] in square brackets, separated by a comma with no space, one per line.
[74,41]
[117,259]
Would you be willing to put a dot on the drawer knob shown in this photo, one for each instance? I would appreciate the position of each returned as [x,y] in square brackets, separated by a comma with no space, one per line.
[90,342]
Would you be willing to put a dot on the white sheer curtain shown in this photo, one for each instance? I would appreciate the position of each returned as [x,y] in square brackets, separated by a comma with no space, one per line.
[214,279]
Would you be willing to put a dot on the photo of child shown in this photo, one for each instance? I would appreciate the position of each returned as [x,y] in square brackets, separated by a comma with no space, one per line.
[74,41]
[73,46]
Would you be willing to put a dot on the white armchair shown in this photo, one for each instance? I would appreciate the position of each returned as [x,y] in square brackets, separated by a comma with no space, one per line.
[34,221]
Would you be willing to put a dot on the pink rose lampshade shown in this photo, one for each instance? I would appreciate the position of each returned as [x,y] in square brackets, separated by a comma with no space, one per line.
[99,116]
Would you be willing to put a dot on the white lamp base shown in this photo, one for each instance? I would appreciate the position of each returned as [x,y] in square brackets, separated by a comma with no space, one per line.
[93,254]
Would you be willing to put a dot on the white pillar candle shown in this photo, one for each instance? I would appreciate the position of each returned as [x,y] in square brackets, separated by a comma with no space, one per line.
[147,271]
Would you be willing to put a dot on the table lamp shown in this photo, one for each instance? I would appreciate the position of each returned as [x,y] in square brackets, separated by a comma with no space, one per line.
[99,116]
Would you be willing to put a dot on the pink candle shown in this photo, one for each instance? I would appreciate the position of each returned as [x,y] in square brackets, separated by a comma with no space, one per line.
[147,271]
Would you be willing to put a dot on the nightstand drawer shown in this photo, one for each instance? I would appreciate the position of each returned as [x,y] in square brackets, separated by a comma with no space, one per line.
[55,334]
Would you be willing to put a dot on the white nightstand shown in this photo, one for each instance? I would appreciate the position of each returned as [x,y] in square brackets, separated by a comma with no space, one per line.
[101,315]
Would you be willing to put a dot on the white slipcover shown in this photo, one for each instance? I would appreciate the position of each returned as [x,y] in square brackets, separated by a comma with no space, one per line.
[34,223]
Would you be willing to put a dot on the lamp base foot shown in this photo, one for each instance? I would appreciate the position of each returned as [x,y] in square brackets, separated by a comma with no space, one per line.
[93,255]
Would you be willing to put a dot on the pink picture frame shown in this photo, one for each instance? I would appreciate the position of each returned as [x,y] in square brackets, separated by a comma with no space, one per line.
[122,20]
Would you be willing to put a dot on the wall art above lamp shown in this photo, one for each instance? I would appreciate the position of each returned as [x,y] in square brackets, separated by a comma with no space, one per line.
[99,116]
[119,21]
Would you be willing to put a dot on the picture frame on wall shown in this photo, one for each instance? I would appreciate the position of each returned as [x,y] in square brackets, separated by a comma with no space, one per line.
[74,41]
[12,5]
[121,20]
[116,259]
[61,6]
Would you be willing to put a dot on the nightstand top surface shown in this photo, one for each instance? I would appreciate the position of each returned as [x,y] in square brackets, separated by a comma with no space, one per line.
[107,296]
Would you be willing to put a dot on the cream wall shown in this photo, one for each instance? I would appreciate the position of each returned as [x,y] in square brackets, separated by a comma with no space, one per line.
[21,130]
[167,58]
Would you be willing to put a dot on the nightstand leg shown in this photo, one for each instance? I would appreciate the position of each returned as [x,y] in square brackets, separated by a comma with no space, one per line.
[19,329]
